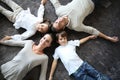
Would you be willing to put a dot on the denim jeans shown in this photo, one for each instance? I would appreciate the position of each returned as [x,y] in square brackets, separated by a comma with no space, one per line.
[87,72]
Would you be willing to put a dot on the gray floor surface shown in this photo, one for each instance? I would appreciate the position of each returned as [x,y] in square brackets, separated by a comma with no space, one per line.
[100,53]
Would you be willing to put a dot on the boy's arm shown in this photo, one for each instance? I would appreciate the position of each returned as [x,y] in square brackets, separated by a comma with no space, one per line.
[83,40]
[54,64]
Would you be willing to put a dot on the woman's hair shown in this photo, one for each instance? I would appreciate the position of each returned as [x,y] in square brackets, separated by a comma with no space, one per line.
[48,22]
[62,34]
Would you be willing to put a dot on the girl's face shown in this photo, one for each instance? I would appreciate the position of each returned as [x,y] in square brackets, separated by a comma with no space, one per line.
[62,40]
[43,28]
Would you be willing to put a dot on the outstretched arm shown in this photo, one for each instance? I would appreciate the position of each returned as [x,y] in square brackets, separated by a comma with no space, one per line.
[13,42]
[54,64]
[44,66]
[83,40]
[22,36]
[91,30]
[112,39]
[41,10]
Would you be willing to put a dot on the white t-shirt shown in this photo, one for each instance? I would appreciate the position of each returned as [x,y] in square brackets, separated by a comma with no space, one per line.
[68,56]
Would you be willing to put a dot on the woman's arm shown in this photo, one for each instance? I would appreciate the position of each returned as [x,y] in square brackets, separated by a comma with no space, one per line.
[54,64]
[44,66]
[13,42]
[83,40]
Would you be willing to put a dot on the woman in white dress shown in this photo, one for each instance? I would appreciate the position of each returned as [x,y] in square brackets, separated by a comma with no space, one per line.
[24,19]
[31,55]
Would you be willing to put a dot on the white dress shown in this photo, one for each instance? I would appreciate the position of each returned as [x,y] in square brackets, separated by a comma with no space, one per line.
[24,61]
[27,21]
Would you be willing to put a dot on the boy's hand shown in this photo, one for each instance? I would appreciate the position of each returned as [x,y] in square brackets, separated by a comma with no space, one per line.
[92,37]
[43,2]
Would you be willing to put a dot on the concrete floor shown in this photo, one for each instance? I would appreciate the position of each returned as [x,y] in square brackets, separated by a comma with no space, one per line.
[100,53]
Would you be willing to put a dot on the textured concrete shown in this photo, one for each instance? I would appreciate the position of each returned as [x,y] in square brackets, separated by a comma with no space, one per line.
[102,54]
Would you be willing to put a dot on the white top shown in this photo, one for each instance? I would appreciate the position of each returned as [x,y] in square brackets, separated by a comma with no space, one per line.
[77,11]
[27,21]
[24,61]
[68,56]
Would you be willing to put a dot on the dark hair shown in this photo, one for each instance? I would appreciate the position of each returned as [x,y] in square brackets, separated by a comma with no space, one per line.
[52,36]
[55,30]
[62,34]
[48,22]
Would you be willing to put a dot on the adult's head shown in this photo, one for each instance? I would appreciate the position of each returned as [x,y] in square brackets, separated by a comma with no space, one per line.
[59,24]
[46,40]
[44,26]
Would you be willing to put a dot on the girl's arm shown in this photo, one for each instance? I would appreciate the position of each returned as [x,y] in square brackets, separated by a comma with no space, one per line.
[54,64]
[83,40]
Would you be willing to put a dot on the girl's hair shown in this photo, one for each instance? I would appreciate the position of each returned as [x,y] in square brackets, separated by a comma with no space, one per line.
[48,22]
[62,34]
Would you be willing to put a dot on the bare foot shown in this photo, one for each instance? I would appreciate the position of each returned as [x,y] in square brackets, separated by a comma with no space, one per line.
[43,2]
[114,39]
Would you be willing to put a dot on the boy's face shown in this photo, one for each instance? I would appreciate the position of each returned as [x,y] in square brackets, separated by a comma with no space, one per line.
[62,40]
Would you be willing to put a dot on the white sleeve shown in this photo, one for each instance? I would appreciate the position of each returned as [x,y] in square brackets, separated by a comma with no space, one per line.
[24,35]
[12,42]
[74,42]
[55,55]
[44,66]
[40,12]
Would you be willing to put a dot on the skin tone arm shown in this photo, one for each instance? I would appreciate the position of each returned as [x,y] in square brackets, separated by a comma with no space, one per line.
[43,2]
[83,40]
[112,39]
[54,64]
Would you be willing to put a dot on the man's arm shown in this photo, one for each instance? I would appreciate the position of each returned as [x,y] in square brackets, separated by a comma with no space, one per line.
[54,64]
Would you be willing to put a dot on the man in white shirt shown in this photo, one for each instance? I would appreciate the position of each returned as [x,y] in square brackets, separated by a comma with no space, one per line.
[24,19]
[72,16]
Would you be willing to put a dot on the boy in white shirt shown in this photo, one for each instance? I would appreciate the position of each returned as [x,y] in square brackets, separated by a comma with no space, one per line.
[75,66]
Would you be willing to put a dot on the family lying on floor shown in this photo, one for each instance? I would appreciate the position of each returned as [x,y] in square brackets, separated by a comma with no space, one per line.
[31,55]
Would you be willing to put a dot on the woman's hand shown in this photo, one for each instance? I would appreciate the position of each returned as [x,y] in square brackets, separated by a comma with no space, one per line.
[6,38]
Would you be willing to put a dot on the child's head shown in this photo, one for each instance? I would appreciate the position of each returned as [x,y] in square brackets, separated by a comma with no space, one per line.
[61,37]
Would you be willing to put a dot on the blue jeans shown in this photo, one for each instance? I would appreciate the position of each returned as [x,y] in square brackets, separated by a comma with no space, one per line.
[87,72]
